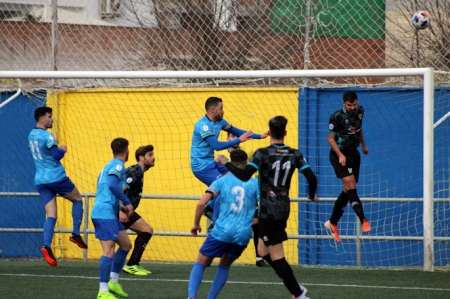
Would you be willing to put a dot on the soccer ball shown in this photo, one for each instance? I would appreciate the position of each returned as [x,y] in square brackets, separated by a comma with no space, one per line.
[421,20]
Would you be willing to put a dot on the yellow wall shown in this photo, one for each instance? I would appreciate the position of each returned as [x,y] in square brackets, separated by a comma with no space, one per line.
[88,120]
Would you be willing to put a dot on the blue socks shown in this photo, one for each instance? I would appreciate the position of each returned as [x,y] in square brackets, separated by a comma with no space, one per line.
[77,216]
[105,268]
[119,260]
[195,279]
[49,231]
[219,281]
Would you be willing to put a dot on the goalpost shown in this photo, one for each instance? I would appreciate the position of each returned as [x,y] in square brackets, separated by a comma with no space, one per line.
[160,108]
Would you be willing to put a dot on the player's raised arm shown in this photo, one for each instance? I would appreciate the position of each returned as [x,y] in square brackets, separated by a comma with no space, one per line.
[221,145]
[238,132]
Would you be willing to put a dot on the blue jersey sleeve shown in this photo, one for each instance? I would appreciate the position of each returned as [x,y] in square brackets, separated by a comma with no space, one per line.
[238,132]
[57,153]
[116,188]
[217,145]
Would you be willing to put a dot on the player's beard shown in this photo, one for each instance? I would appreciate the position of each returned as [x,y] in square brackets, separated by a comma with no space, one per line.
[150,164]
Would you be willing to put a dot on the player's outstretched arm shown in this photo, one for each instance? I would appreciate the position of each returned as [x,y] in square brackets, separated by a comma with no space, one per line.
[218,145]
[242,174]
[312,182]
[196,228]
[238,132]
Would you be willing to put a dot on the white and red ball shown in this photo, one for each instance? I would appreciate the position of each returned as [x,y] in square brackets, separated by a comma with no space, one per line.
[421,20]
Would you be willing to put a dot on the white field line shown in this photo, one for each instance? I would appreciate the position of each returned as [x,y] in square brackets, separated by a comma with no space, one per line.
[238,282]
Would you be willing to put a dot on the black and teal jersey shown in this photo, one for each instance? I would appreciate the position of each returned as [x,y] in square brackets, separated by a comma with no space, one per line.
[346,127]
[134,182]
[276,165]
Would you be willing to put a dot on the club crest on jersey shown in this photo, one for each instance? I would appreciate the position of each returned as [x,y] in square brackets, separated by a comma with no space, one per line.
[205,128]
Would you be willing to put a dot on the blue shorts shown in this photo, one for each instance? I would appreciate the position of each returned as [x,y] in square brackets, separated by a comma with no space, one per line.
[107,229]
[211,173]
[49,191]
[215,248]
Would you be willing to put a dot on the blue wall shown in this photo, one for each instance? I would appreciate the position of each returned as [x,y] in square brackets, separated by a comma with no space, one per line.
[393,126]
[17,175]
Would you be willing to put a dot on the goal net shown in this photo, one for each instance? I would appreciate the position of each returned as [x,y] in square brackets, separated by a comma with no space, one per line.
[407,208]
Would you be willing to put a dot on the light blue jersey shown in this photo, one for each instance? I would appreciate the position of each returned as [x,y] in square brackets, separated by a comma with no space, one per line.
[106,205]
[48,169]
[238,201]
[202,154]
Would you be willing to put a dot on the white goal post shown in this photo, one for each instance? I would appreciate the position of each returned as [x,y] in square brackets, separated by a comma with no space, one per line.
[427,75]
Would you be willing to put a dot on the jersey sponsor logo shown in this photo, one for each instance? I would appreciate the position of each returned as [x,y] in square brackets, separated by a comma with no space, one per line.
[129,180]
[331,127]
[205,128]
[282,151]
[351,131]
[119,167]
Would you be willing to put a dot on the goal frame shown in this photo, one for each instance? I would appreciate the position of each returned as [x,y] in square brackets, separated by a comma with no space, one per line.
[428,108]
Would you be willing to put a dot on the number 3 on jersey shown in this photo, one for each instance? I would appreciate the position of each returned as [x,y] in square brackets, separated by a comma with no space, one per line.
[284,169]
[240,194]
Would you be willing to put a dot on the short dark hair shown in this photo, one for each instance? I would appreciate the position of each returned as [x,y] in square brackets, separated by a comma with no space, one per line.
[212,102]
[143,150]
[41,111]
[238,156]
[277,126]
[119,146]
[349,96]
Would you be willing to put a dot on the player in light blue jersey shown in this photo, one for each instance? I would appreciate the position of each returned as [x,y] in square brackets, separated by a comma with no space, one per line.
[205,142]
[232,230]
[105,217]
[50,180]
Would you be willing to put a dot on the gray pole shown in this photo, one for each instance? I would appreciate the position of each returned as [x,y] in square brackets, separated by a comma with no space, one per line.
[55,34]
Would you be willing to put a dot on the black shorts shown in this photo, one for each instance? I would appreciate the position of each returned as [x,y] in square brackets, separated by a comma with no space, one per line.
[353,162]
[135,217]
[272,232]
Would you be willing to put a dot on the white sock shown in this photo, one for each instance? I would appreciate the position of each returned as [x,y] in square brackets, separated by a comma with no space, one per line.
[104,287]
[114,277]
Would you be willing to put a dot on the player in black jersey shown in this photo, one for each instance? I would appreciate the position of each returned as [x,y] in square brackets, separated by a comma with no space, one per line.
[344,136]
[134,182]
[276,165]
